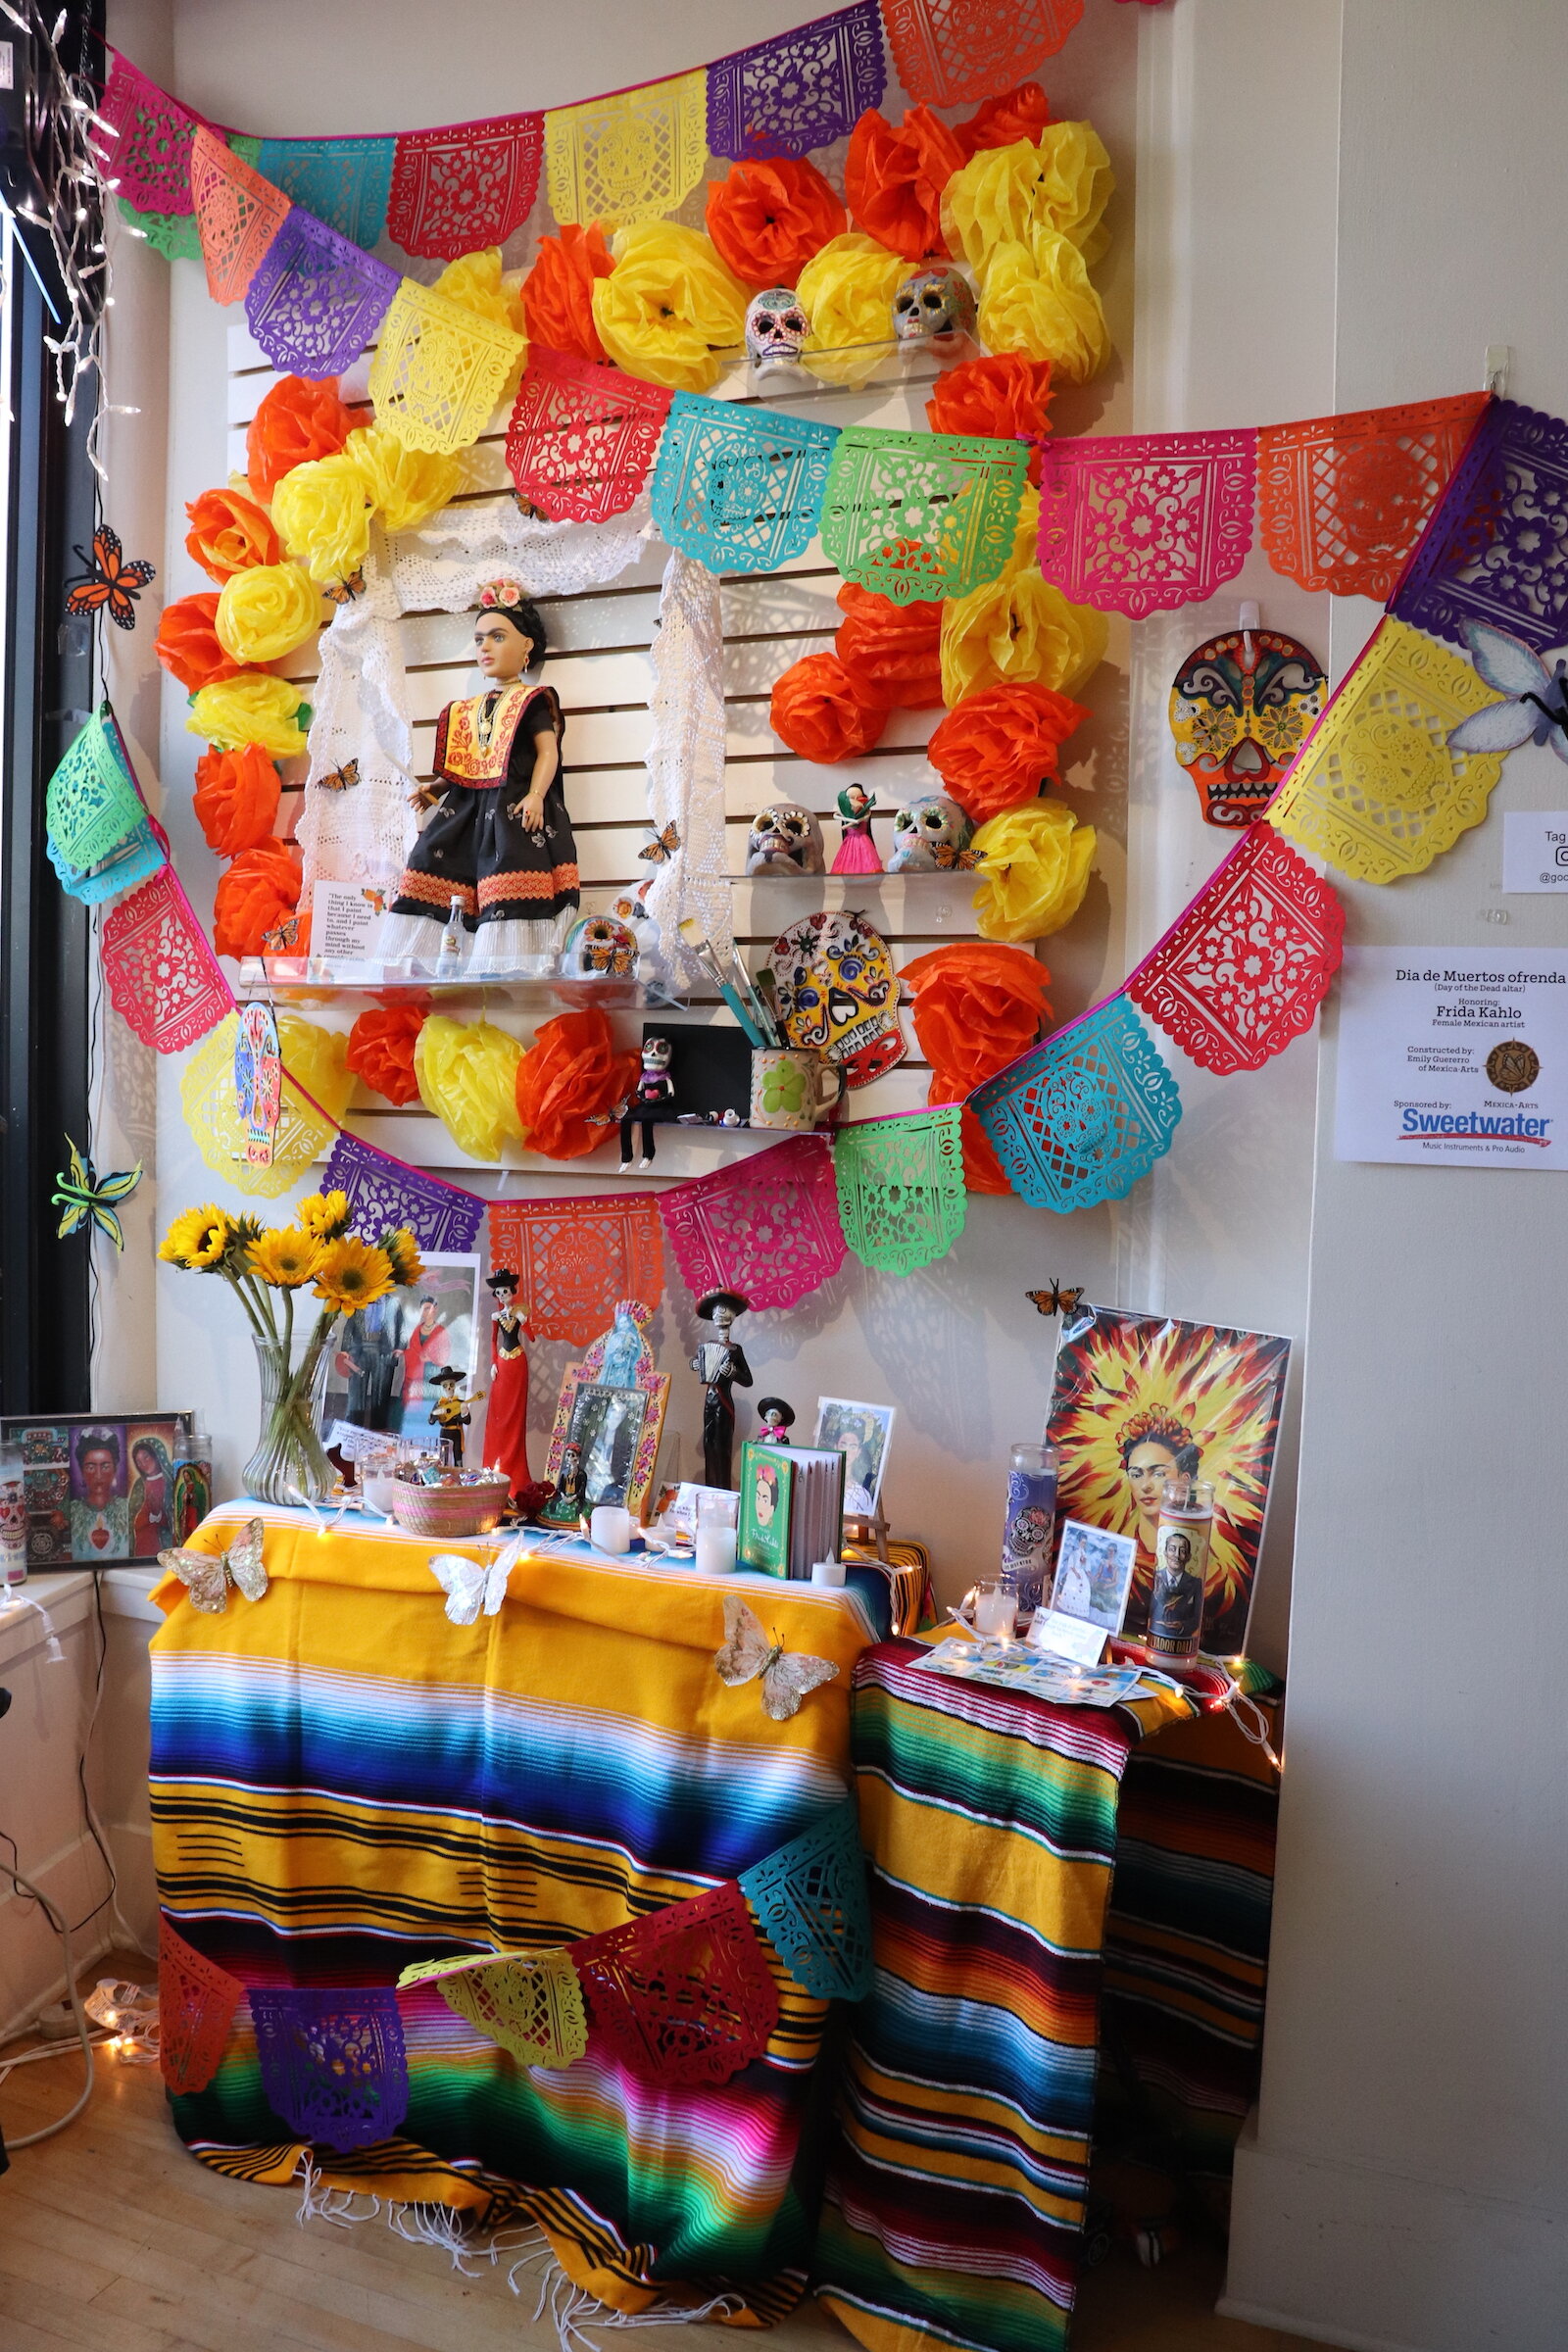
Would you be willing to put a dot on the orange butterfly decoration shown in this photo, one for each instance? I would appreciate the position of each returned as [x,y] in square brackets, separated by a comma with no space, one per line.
[111,581]
[1055,1300]
[282,937]
[343,592]
[663,847]
[338,779]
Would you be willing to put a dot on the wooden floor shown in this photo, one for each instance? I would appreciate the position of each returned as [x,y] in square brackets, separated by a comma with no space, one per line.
[113,2239]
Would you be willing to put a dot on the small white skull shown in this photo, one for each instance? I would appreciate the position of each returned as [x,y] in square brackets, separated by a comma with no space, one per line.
[777,327]
[932,306]
[932,835]
[785,839]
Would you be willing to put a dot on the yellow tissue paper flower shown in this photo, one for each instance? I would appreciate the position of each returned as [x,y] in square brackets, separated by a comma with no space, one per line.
[669,300]
[1034,862]
[847,293]
[404,485]
[1019,631]
[316,1060]
[321,515]
[254,708]
[264,612]
[1060,182]
[1037,299]
[468,1075]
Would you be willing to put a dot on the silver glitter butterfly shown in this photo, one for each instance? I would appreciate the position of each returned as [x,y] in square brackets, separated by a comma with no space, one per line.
[747,1654]
[210,1576]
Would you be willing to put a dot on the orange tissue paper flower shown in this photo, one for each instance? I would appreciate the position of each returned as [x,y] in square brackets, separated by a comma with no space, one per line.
[894,181]
[228,534]
[260,890]
[381,1046]
[975,1008]
[1020,114]
[997,747]
[823,713]
[188,644]
[769,217]
[296,422]
[891,650]
[570,1074]
[236,799]
[1004,396]
[558,291]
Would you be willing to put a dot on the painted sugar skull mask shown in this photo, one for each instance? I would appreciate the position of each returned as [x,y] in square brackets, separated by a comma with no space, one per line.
[838,994]
[785,839]
[933,304]
[1240,711]
[777,327]
[931,836]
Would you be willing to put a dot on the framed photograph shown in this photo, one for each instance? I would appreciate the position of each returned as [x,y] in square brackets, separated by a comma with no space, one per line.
[609,1415]
[99,1490]
[379,1377]
[1138,1398]
[1094,1576]
[861,1433]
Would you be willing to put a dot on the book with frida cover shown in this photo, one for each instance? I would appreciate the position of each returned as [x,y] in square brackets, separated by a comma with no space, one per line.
[767,1492]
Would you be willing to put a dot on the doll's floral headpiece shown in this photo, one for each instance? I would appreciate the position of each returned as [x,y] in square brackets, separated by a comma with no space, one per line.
[498,594]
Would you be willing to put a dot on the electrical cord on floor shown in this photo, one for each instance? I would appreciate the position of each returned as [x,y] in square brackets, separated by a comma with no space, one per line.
[63,1931]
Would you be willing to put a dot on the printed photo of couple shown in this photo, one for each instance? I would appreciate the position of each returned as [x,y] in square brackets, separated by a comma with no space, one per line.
[379,1378]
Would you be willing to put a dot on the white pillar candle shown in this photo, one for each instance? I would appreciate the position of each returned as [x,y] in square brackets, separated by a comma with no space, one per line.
[829,1572]
[716,1551]
[611,1527]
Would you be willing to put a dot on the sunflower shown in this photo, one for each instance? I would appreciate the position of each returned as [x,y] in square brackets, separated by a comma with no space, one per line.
[285,1257]
[352,1274]
[197,1239]
[408,1267]
[325,1214]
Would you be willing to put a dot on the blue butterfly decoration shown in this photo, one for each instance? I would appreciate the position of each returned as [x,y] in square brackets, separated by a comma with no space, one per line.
[86,1196]
[1536,705]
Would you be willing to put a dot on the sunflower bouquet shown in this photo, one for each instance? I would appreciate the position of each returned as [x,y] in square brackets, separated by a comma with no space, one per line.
[265,1266]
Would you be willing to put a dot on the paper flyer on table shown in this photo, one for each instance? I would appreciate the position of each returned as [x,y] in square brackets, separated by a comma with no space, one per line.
[1454,1056]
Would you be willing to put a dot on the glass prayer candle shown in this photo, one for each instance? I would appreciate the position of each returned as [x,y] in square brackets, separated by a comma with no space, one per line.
[996,1610]
[1030,1522]
[13,1519]
[716,1516]
[1181,1567]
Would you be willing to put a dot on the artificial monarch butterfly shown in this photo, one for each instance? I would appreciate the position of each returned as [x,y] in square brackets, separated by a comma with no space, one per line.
[1055,1301]
[111,581]
[375,899]
[663,847]
[343,592]
[282,937]
[338,779]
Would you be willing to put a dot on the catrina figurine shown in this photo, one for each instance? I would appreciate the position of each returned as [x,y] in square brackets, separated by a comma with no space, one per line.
[857,852]
[1241,708]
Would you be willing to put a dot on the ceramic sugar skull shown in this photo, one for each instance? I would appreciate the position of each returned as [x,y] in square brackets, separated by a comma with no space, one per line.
[932,305]
[600,948]
[777,327]
[1240,710]
[931,836]
[785,839]
[838,993]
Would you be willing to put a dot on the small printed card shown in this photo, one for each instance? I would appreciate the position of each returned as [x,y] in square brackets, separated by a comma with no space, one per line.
[1015,1666]
[343,921]
[1064,1637]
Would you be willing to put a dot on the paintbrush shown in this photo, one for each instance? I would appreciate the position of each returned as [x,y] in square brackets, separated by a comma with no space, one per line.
[754,997]
[696,943]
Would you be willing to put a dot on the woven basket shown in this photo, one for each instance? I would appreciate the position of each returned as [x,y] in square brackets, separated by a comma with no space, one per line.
[443,1511]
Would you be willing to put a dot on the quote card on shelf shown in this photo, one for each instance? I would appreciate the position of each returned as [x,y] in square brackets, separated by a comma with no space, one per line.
[1453,1058]
[343,921]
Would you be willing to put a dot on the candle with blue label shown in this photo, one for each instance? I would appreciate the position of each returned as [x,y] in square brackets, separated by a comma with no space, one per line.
[1027,1538]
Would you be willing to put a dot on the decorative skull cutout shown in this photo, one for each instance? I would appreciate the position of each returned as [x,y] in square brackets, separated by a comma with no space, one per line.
[932,835]
[600,948]
[838,993]
[777,327]
[935,305]
[1240,711]
[785,839]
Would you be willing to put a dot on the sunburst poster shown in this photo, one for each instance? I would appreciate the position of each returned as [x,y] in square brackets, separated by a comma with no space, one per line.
[1138,1399]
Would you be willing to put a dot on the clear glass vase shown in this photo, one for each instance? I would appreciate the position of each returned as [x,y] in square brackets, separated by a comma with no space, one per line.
[290,1461]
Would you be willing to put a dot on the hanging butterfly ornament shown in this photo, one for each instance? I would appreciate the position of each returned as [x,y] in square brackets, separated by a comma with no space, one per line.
[748,1656]
[1241,708]
[341,779]
[1055,1300]
[662,849]
[210,1577]
[111,584]
[88,1199]
[470,1585]
[1535,709]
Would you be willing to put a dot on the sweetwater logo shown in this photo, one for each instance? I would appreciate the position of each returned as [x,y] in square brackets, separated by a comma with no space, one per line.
[1515,1127]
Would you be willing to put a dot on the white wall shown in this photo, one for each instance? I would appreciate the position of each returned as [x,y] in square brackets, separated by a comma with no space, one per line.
[1407,2184]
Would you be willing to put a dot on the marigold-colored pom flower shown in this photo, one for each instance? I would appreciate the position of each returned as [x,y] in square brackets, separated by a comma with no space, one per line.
[847,293]
[467,1073]
[228,534]
[260,889]
[996,748]
[187,643]
[1037,299]
[669,306]
[1059,184]
[236,799]
[557,293]
[295,422]
[822,712]
[404,485]
[1005,397]
[975,1008]
[265,612]
[892,652]
[249,705]
[1020,114]
[1034,863]
[1018,630]
[316,1061]
[323,514]
[767,218]
[381,1046]
[571,1074]
[893,180]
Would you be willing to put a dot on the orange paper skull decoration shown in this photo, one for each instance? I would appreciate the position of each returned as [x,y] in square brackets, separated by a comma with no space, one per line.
[1241,708]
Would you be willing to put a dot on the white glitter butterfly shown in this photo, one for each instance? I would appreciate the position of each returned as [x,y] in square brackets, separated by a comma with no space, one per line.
[749,1653]
[209,1576]
[470,1585]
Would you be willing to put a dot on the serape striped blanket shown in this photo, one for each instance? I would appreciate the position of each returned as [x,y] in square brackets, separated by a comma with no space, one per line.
[344,1781]
[959,2179]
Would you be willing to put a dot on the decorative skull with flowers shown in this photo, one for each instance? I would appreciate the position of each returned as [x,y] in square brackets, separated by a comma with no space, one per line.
[931,836]
[785,839]
[776,328]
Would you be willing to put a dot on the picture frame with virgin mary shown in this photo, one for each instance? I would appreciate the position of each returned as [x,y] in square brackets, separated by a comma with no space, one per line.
[1138,1399]
[610,1410]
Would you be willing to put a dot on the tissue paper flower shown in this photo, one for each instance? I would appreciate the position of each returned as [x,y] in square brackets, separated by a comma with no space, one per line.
[381,1046]
[260,889]
[324,517]
[997,747]
[1019,630]
[1020,114]
[847,293]
[295,421]
[1060,182]
[468,1074]
[404,485]
[186,643]
[251,706]
[557,293]
[228,534]
[823,714]
[572,1074]
[668,306]
[893,180]
[1038,300]
[264,613]
[892,652]
[236,799]
[1003,397]
[1034,865]
[767,218]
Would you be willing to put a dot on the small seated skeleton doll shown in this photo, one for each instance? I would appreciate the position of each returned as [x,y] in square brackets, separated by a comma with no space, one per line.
[652,1103]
